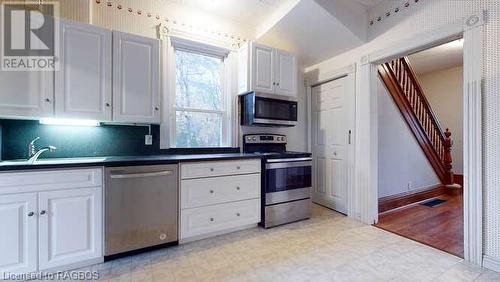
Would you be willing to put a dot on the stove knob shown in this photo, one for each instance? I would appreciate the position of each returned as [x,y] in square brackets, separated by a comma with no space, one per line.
[254,139]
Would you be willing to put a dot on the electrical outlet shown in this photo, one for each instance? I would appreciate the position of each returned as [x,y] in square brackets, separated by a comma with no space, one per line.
[409,185]
[148,139]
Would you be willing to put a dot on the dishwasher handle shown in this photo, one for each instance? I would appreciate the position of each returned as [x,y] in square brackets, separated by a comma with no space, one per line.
[140,175]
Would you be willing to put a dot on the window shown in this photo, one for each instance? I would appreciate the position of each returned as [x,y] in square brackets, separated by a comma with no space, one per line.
[199,108]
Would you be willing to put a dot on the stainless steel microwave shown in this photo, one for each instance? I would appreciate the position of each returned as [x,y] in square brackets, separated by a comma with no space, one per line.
[261,109]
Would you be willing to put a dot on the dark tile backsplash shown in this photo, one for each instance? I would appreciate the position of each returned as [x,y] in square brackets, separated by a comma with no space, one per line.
[73,141]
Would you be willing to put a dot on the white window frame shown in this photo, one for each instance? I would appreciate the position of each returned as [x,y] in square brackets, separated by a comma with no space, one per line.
[168,126]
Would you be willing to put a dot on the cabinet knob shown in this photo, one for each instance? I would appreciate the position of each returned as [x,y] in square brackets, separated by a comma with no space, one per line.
[238,188]
[211,219]
[157,109]
[211,169]
[47,100]
[211,191]
[274,83]
[278,84]
[238,167]
[108,105]
[43,212]
[238,214]
[31,214]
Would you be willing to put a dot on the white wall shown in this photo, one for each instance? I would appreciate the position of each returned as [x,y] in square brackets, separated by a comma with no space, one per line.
[444,91]
[402,165]
[433,15]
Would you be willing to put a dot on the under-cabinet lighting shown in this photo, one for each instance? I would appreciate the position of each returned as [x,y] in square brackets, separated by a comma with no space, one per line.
[69,122]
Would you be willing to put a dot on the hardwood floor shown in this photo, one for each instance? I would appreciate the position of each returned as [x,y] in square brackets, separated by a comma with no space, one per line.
[440,227]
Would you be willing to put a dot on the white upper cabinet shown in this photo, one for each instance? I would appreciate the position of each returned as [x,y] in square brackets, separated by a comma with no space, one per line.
[83,83]
[26,94]
[266,69]
[262,77]
[70,226]
[135,78]
[18,244]
[286,73]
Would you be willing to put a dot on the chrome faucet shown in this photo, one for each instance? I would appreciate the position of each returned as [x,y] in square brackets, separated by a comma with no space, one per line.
[34,153]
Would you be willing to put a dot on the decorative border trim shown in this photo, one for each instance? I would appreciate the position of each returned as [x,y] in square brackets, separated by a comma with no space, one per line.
[170,21]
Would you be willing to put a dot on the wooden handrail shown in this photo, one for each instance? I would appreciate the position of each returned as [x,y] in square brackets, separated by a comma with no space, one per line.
[408,95]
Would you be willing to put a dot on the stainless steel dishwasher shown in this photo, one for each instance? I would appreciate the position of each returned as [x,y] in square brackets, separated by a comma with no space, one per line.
[141,207]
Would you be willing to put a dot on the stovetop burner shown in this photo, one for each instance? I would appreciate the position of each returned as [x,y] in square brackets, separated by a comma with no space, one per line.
[270,146]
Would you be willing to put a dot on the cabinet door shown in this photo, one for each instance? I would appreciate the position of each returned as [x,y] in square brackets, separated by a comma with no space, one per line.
[70,226]
[262,68]
[18,233]
[83,83]
[286,73]
[135,78]
[28,94]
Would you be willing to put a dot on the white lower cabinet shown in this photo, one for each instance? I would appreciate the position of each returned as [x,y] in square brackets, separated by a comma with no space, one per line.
[50,222]
[212,204]
[18,233]
[70,227]
[212,219]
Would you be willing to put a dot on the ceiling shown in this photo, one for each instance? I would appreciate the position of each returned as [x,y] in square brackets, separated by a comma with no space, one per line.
[369,3]
[445,56]
[325,35]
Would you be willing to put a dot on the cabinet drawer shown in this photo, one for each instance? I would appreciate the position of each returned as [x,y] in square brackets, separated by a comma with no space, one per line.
[216,190]
[30,181]
[219,168]
[206,220]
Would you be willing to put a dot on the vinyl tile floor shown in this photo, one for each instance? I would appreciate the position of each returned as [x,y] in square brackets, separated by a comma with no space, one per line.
[327,247]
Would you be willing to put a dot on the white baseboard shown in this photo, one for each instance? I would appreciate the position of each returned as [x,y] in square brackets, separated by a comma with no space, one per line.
[491,263]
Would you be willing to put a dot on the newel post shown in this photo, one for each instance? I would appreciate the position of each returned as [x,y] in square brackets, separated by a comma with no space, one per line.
[447,160]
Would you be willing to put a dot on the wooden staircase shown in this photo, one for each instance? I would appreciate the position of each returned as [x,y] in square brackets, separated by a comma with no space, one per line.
[407,93]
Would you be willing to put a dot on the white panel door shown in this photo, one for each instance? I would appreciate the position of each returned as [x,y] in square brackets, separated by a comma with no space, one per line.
[18,233]
[263,68]
[83,83]
[286,73]
[332,114]
[26,94]
[70,226]
[136,68]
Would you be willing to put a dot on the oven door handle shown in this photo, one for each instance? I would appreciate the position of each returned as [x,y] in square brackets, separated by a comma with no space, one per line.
[288,160]
[288,164]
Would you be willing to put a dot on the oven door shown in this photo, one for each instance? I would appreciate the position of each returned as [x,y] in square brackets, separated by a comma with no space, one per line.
[275,110]
[288,181]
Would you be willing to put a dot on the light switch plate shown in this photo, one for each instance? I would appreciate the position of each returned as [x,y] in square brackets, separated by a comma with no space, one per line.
[148,139]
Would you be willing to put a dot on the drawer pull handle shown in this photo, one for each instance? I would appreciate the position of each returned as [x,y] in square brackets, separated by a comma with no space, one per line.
[43,212]
[237,214]
[211,169]
[238,188]
[31,214]
[211,191]
[141,174]
[211,219]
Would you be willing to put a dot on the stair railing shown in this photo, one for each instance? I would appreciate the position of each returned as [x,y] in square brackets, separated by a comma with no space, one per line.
[404,88]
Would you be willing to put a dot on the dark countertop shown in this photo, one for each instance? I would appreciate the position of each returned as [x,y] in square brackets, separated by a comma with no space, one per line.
[114,161]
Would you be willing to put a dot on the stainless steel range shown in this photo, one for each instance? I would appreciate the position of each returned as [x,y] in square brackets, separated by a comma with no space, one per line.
[286,179]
